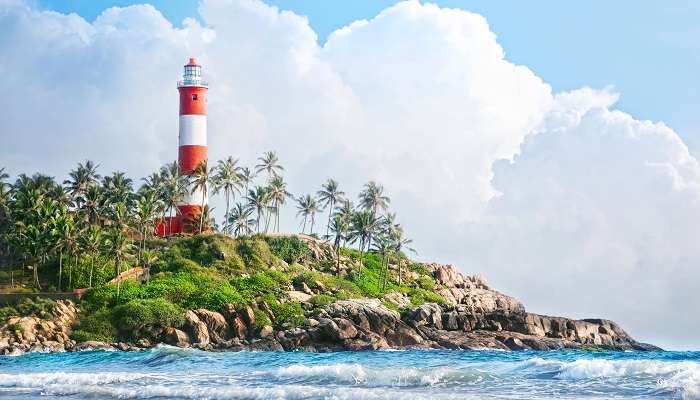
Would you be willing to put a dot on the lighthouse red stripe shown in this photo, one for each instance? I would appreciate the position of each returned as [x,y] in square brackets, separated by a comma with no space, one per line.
[193,100]
[189,157]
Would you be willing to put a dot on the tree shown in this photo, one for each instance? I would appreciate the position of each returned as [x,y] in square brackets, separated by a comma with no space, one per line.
[200,180]
[372,198]
[247,176]
[329,195]
[149,257]
[363,226]
[81,178]
[120,247]
[92,242]
[339,229]
[400,243]
[258,200]
[64,232]
[383,246]
[277,192]
[173,190]
[269,162]
[147,207]
[307,207]
[228,180]
[239,220]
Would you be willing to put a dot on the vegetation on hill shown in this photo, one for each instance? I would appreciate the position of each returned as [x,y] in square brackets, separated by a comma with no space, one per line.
[84,232]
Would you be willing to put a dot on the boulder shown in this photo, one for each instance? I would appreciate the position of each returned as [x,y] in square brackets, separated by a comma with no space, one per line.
[175,337]
[265,331]
[92,345]
[217,326]
[196,329]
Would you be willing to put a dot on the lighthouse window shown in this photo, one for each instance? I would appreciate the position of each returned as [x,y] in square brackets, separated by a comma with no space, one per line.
[194,97]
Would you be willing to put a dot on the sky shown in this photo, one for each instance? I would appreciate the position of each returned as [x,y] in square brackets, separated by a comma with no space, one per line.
[550,148]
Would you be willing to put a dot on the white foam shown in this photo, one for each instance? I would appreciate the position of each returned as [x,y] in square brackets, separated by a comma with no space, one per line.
[357,374]
[42,379]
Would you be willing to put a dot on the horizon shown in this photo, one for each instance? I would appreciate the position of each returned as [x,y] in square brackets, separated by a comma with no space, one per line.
[578,201]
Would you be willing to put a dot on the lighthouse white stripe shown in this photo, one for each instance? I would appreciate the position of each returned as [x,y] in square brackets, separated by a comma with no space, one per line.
[193,130]
[193,199]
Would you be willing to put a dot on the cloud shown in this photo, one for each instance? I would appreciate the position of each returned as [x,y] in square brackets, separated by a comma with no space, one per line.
[559,199]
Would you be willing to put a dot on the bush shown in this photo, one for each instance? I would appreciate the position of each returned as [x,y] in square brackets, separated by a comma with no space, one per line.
[419,268]
[290,312]
[40,307]
[255,253]
[421,296]
[140,315]
[321,300]
[261,319]
[426,282]
[289,248]
[95,326]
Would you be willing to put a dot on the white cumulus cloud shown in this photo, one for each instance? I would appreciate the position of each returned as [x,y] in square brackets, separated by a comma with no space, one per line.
[572,206]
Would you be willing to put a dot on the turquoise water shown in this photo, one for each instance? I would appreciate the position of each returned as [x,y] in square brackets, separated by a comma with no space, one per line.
[166,373]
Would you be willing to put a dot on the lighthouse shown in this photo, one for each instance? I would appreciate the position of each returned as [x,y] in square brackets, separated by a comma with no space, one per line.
[192,138]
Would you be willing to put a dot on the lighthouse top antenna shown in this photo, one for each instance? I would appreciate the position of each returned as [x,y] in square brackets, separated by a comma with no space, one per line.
[192,75]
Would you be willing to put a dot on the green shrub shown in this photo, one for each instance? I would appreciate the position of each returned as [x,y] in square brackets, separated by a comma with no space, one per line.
[261,319]
[290,312]
[421,296]
[137,316]
[419,268]
[268,282]
[291,249]
[40,307]
[255,253]
[7,312]
[321,300]
[426,282]
[95,326]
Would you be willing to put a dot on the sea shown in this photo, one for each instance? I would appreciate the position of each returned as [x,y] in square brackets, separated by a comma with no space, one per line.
[173,373]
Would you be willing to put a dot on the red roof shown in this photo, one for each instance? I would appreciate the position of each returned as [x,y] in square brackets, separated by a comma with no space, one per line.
[192,62]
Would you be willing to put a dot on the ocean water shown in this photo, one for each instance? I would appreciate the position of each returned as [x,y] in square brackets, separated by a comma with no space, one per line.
[171,373]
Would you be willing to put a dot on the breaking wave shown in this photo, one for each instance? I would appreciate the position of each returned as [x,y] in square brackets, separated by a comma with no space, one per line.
[167,372]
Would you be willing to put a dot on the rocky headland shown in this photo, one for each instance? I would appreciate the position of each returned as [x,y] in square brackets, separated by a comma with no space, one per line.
[473,317]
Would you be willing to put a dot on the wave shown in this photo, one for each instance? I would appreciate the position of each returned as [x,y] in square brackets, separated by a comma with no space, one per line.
[356,374]
[682,377]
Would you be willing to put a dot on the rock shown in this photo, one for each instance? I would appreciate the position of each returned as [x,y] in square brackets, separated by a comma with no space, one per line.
[515,344]
[265,331]
[239,328]
[295,295]
[248,317]
[196,329]
[429,314]
[176,337]
[305,288]
[92,345]
[217,326]
[143,343]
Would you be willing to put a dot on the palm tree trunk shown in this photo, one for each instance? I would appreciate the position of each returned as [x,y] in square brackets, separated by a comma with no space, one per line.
[313,218]
[92,267]
[226,194]
[201,211]
[60,270]
[330,211]
[70,273]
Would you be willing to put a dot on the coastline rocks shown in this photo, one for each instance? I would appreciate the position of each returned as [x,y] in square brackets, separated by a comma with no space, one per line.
[34,334]
[175,337]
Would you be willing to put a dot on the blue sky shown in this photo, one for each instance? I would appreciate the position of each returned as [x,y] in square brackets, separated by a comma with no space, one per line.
[648,50]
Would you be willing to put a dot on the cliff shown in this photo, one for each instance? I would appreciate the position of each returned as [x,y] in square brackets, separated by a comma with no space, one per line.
[312,311]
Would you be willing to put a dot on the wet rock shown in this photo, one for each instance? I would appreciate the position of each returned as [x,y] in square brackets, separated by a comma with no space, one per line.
[216,324]
[176,337]
[92,345]
[195,328]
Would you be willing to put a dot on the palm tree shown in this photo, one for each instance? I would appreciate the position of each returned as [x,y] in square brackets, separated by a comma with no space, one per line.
[339,228]
[92,243]
[118,188]
[383,246]
[329,195]
[147,207]
[258,200]
[372,198]
[269,162]
[239,220]
[200,180]
[400,243]
[277,191]
[64,232]
[363,226]
[173,190]
[247,176]
[227,179]
[93,205]
[81,178]
[308,207]
[120,247]
[149,257]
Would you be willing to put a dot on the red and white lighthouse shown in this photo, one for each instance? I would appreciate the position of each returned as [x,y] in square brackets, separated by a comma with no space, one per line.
[193,133]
